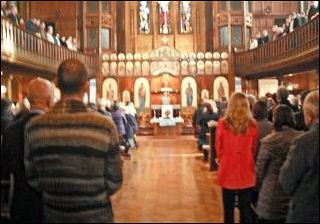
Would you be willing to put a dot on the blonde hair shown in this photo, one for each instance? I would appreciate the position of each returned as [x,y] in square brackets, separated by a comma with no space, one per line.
[238,115]
[311,103]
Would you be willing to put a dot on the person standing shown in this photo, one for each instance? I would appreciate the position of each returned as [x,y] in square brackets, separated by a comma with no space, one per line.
[299,175]
[260,111]
[72,154]
[236,145]
[26,204]
[273,202]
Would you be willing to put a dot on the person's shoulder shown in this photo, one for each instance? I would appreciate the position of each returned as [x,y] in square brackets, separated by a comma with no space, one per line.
[306,137]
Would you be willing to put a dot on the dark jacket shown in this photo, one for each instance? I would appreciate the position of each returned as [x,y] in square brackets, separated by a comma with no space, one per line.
[312,11]
[117,117]
[72,157]
[264,129]
[273,202]
[260,41]
[204,129]
[296,23]
[14,18]
[26,204]
[299,177]
[266,39]
[130,126]
[300,124]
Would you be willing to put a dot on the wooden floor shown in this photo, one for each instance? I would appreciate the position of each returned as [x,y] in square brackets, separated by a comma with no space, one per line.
[167,181]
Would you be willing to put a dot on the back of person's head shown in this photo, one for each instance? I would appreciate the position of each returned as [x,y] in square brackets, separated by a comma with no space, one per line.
[311,108]
[282,93]
[283,116]
[260,110]
[116,106]
[40,91]
[251,99]
[208,107]
[238,116]
[5,105]
[72,76]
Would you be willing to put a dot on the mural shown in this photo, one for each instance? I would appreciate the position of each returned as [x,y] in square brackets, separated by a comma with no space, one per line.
[205,94]
[164,17]
[110,90]
[220,88]
[144,17]
[105,68]
[142,94]
[185,17]
[189,92]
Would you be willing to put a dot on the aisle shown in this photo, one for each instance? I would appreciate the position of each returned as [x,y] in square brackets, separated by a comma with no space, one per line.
[166,181]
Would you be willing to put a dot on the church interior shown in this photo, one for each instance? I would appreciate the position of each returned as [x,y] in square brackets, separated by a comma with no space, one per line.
[174,67]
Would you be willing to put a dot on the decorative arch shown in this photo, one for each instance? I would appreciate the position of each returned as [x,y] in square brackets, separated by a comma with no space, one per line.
[189,84]
[220,88]
[110,89]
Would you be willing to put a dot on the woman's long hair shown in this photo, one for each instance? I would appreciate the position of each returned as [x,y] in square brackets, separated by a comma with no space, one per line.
[238,116]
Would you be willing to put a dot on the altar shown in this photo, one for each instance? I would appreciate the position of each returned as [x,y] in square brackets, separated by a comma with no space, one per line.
[166,120]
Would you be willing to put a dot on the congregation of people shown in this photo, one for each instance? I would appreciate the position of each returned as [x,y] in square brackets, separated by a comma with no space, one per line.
[37,27]
[291,23]
[268,155]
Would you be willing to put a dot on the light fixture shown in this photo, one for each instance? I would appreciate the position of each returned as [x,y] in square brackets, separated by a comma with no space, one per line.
[290,75]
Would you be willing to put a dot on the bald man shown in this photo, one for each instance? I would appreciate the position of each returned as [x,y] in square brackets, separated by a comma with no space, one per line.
[26,204]
[299,175]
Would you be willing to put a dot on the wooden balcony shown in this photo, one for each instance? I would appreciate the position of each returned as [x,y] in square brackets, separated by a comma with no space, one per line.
[26,50]
[296,52]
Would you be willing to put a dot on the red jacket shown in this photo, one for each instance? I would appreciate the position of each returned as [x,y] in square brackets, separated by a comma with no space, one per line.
[236,157]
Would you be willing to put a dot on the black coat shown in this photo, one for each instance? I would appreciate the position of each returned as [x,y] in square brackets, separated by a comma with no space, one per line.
[296,23]
[27,205]
[204,129]
[299,177]
[300,124]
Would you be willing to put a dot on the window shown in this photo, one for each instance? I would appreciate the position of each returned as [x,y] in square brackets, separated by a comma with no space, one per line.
[105,7]
[92,6]
[185,17]
[248,6]
[236,32]
[105,39]
[92,38]
[164,17]
[235,5]
[249,34]
[222,6]
[144,17]
[224,36]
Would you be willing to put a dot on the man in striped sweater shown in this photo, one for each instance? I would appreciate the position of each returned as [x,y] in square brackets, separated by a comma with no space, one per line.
[72,155]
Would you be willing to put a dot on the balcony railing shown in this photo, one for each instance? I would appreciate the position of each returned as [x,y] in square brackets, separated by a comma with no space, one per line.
[26,49]
[302,43]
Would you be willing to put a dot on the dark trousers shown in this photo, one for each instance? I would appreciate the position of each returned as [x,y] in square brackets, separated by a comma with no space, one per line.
[244,198]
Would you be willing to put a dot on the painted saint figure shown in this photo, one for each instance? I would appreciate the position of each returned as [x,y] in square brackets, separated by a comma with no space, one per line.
[165,27]
[144,16]
[110,94]
[189,94]
[165,98]
[221,92]
[142,98]
[185,20]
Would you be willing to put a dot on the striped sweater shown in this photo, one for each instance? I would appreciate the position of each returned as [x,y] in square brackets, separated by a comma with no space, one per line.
[72,158]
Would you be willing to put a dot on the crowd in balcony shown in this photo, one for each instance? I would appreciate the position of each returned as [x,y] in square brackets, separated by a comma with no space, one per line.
[291,23]
[38,28]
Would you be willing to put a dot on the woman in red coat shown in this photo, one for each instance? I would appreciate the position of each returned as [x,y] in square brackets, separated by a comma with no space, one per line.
[236,145]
